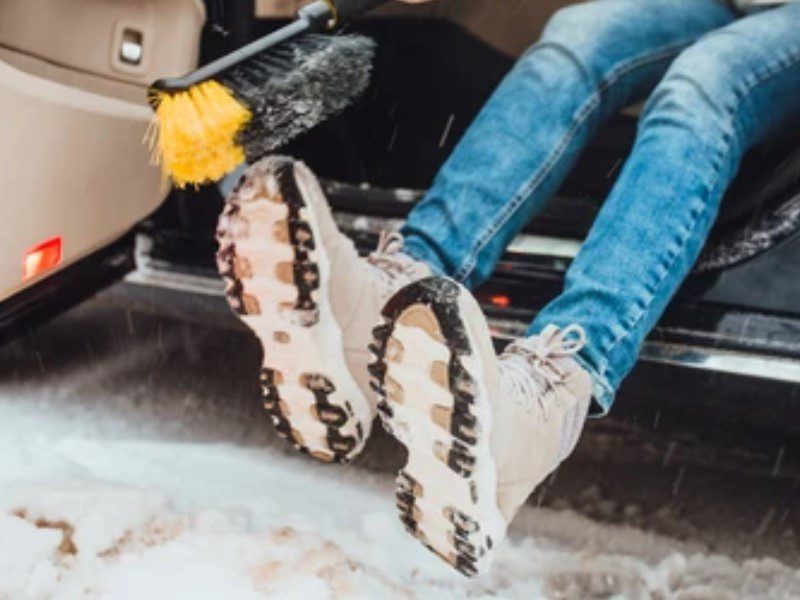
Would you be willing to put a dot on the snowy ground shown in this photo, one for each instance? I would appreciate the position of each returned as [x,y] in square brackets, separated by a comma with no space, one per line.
[132,491]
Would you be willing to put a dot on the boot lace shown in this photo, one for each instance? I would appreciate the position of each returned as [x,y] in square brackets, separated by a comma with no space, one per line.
[391,265]
[529,367]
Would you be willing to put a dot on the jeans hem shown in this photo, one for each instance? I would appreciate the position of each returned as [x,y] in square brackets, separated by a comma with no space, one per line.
[603,392]
[417,252]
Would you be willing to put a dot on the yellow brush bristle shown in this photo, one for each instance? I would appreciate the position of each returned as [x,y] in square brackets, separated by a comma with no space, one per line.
[194,133]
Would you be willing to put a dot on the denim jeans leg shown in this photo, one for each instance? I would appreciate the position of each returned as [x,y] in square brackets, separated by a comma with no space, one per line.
[593,59]
[732,89]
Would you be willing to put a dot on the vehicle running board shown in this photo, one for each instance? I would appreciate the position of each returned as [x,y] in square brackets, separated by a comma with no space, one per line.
[667,347]
[681,355]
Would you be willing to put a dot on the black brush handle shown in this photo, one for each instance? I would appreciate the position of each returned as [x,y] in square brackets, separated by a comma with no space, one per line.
[317,16]
[349,9]
[237,57]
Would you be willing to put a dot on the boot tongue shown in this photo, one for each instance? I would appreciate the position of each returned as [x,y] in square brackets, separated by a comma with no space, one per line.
[552,344]
[394,267]
[533,365]
[389,256]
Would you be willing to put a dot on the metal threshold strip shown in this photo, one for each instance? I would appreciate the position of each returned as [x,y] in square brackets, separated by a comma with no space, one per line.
[524,244]
[151,274]
[689,357]
[719,361]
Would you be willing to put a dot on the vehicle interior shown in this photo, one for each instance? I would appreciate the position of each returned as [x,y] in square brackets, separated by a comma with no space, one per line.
[76,176]
[75,84]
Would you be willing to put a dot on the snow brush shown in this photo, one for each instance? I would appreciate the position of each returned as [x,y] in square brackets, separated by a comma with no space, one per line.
[255,99]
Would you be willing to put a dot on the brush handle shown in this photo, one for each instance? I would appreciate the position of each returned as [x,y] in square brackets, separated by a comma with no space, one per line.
[237,57]
[344,10]
[316,16]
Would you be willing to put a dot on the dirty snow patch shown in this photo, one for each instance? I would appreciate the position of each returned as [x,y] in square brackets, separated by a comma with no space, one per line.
[90,512]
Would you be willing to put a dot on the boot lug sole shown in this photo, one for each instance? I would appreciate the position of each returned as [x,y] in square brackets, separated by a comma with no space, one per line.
[283,305]
[446,493]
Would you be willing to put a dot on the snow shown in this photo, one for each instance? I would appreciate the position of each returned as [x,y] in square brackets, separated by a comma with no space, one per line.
[95,507]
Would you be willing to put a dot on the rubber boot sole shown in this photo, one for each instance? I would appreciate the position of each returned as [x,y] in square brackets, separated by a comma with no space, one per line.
[276,274]
[432,398]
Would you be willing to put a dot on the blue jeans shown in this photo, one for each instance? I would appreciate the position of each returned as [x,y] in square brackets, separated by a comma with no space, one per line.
[716,84]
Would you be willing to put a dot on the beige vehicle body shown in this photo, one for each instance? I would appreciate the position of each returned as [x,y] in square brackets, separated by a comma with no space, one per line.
[73,79]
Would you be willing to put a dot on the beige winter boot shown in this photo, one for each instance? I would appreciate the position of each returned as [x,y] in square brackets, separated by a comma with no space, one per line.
[481,431]
[300,285]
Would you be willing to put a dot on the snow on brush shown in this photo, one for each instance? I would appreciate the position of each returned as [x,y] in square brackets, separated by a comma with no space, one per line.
[90,510]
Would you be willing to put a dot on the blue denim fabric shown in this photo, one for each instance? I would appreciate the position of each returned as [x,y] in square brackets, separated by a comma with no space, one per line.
[716,86]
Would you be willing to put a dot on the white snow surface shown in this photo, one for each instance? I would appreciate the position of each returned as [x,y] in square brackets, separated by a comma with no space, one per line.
[91,507]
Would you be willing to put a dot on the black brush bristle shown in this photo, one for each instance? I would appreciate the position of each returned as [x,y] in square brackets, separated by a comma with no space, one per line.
[295,87]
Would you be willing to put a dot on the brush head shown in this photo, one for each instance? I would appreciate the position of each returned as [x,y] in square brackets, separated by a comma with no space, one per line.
[194,132]
[317,77]
[203,133]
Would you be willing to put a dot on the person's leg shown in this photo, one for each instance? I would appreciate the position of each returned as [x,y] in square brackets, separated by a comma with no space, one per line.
[592,60]
[726,93]
[482,431]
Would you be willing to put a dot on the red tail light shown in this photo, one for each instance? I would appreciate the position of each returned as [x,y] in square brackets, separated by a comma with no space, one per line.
[500,301]
[43,257]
